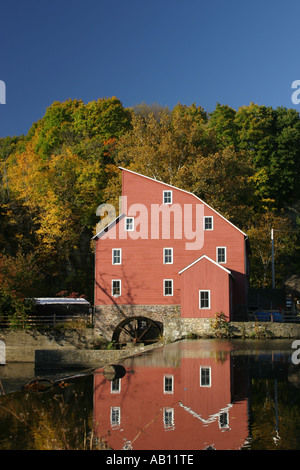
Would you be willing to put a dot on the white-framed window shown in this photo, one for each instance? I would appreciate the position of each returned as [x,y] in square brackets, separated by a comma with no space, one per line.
[221,254]
[168,286]
[115,416]
[208,223]
[167,197]
[117,256]
[224,420]
[168,416]
[129,224]
[115,386]
[168,255]
[168,383]
[205,376]
[116,287]
[204,299]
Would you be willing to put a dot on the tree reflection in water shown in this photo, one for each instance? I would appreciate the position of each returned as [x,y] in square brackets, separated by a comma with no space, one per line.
[59,417]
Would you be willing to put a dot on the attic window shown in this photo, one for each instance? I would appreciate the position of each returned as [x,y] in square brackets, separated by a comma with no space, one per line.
[167,197]
[208,223]
[129,224]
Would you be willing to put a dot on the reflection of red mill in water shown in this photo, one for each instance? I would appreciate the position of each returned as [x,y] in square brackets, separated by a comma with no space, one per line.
[187,400]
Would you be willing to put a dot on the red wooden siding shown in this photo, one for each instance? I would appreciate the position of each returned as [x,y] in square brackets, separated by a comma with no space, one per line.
[205,275]
[142,271]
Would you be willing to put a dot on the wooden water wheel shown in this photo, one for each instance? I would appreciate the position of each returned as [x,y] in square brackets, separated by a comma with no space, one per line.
[136,330]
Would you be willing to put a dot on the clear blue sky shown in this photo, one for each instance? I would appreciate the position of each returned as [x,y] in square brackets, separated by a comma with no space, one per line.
[155,51]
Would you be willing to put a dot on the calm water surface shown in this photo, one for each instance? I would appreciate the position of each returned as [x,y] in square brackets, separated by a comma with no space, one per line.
[190,395]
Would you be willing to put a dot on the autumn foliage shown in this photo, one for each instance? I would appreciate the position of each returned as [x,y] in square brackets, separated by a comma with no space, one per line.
[244,163]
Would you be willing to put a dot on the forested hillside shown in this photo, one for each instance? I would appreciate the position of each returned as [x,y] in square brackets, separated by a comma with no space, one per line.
[244,163]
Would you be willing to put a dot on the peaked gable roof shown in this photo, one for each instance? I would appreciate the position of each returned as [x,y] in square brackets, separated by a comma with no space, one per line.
[108,227]
[208,259]
[187,192]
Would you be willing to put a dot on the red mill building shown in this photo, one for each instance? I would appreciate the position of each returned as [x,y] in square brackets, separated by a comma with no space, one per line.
[167,255]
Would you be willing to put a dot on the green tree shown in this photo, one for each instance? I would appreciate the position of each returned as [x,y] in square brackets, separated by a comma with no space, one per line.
[19,280]
[222,121]
[71,122]
[285,242]
[273,138]
[225,181]
[144,110]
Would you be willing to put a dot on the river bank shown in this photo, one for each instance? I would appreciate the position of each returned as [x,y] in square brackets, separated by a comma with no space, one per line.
[78,348]
[55,349]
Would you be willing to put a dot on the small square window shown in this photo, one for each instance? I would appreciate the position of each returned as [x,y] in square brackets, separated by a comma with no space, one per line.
[208,223]
[167,198]
[204,299]
[221,254]
[168,255]
[116,287]
[129,224]
[116,256]
[168,286]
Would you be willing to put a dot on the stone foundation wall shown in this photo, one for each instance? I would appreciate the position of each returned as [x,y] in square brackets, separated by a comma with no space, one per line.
[178,328]
[107,317]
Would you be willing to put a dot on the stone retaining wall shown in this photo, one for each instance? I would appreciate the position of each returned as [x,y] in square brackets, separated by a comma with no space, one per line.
[69,359]
[20,345]
[177,328]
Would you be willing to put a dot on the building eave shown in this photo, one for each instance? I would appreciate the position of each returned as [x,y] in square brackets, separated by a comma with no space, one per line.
[208,259]
[187,192]
[108,227]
